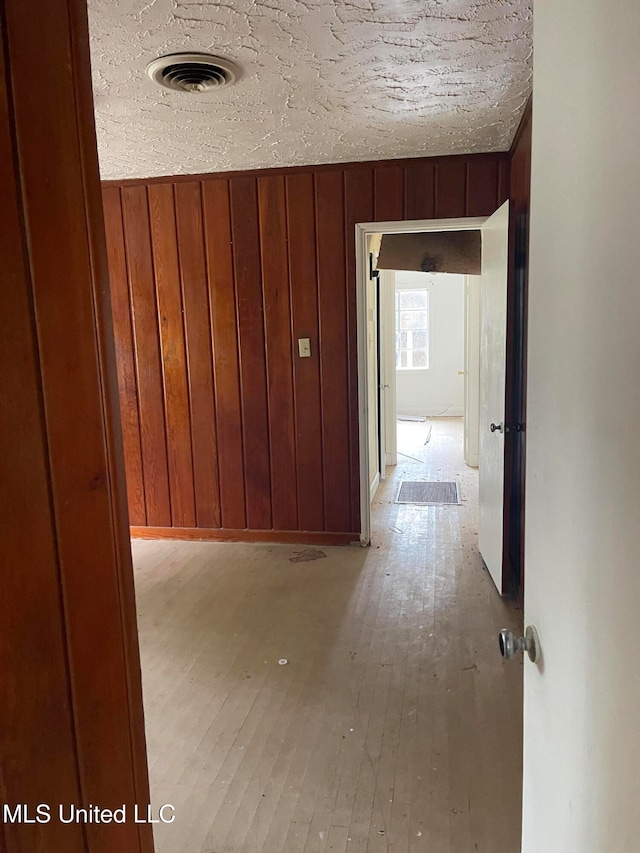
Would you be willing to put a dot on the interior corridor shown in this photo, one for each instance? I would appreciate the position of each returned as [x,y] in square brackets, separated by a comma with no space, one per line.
[394,725]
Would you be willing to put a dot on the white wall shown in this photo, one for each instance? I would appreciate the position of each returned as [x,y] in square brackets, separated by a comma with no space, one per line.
[472,370]
[582,707]
[431,391]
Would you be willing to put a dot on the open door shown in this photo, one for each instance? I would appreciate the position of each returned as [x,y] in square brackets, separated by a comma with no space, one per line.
[493,328]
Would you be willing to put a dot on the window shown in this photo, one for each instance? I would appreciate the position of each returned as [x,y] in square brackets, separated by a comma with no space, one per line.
[412,329]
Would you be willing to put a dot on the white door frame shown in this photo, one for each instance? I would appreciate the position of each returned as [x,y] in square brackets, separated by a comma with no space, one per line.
[364,230]
[388,437]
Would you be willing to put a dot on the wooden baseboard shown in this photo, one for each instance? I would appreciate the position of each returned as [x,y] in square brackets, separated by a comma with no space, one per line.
[202,534]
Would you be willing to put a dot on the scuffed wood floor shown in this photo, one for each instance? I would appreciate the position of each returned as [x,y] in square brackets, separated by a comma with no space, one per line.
[394,726]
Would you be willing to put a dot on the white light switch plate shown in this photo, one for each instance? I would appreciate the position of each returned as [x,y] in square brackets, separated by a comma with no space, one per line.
[304,347]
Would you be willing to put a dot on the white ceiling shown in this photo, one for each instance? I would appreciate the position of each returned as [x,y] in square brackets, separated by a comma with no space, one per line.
[324,81]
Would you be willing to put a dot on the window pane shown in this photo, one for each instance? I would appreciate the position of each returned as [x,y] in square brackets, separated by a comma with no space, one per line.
[420,339]
[412,328]
[413,299]
[413,319]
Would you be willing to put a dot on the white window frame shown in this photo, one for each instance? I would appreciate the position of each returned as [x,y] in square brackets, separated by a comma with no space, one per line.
[410,350]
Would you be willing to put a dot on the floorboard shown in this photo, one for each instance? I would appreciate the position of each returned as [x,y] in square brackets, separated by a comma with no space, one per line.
[393,726]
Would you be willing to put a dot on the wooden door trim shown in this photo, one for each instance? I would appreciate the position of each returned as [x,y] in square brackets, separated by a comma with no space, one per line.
[110,402]
[60,284]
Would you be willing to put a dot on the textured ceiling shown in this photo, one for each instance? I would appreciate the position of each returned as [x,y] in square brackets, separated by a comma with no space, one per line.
[324,81]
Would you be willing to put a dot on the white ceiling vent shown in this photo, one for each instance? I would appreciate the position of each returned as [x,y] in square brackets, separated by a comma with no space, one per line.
[192,72]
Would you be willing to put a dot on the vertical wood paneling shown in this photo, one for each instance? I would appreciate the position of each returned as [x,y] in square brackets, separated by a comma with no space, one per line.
[419,190]
[69,329]
[451,184]
[304,306]
[264,439]
[75,432]
[80,69]
[195,301]
[358,208]
[332,300]
[482,187]
[36,710]
[147,351]
[125,357]
[250,312]
[277,315]
[388,193]
[226,354]
[174,362]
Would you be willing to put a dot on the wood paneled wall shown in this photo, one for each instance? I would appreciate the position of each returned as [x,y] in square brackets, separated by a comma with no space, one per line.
[227,432]
[72,728]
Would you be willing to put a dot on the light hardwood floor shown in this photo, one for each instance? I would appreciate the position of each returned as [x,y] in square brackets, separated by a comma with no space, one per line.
[394,726]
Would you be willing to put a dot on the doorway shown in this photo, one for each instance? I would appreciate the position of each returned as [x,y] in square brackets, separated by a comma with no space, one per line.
[370,330]
[477,338]
[429,349]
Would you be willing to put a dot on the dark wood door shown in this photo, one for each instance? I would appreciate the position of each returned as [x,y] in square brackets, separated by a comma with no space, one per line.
[71,718]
